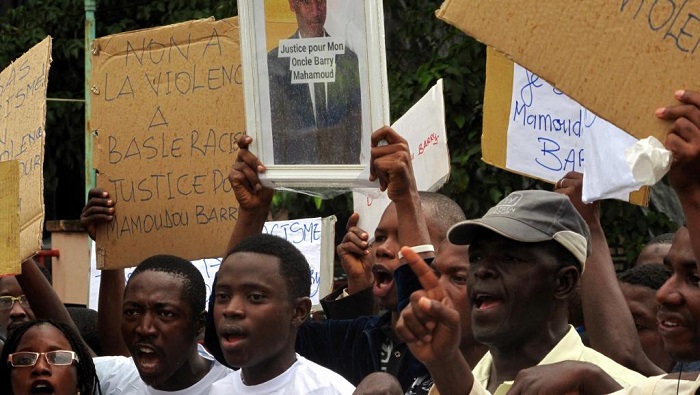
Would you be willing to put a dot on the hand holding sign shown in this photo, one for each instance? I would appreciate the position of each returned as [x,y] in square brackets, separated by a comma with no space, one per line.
[98,210]
[253,199]
[391,164]
[250,193]
[684,140]
[571,185]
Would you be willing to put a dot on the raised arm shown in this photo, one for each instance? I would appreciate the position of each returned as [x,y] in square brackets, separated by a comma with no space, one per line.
[683,140]
[391,165]
[354,253]
[98,211]
[609,323]
[42,297]
[357,299]
[253,199]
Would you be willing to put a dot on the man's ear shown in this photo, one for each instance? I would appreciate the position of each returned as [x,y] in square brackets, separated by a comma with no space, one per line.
[292,6]
[567,279]
[302,309]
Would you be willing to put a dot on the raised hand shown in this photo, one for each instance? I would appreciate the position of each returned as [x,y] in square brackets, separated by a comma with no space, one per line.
[684,141]
[391,164]
[250,193]
[354,253]
[98,210]
[571,185]
[429,324]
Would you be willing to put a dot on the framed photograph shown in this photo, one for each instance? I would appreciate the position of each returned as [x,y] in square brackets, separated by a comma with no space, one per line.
[315,87]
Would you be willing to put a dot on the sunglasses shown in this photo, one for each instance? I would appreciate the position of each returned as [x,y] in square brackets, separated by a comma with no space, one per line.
[6,302]
[56,358]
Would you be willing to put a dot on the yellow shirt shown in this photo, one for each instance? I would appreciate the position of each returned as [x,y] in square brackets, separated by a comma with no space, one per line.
[569,348]
[658,385]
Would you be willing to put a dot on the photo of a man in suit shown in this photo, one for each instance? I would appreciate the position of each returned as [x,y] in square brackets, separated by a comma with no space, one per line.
[315,122]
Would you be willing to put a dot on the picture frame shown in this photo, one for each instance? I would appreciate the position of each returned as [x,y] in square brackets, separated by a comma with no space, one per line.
[315,88]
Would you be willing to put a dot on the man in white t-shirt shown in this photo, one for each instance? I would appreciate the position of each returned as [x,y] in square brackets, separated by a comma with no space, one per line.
[261,298]
[162,317]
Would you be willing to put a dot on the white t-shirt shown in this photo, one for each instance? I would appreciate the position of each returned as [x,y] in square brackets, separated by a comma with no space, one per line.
[118,376]
[303,377]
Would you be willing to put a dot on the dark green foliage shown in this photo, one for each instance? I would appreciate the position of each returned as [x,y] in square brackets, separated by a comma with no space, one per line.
[420,50]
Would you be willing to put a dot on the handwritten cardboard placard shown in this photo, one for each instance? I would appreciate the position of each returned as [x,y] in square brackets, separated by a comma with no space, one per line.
[10,261]
[167,109]
[533,129]
[620,59]
[423,127]
[22,130]
[312,236]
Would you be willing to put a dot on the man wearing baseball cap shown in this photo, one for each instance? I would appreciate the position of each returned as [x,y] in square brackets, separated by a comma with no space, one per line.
[526,256]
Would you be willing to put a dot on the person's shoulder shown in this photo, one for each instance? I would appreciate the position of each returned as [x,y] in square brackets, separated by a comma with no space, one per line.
[118,375]
[218,371]
[665,384]
[227,384]
[114,363]
[314,378]
[623,375]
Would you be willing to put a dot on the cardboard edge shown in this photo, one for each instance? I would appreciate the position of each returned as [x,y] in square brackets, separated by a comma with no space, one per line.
[497,94]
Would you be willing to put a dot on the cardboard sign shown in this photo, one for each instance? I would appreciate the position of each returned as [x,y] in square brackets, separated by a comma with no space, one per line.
[620,59]
[311,236]
[423,126]
[22,130]
[533,129]
[10,261]
[167,110]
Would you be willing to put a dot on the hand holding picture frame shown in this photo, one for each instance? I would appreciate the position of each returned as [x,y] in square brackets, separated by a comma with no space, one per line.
[315,88]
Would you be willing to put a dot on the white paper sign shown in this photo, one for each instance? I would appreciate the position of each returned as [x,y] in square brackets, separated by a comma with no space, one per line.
[423,126]
[308,235]
[550,134]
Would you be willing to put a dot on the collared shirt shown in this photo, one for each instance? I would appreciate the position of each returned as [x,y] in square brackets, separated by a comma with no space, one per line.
[569,348]
[658,385]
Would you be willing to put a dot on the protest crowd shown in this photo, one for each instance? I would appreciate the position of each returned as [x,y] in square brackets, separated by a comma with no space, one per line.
[433,302]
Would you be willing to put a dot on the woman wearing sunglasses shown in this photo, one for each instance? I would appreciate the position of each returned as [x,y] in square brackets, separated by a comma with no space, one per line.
[46,357]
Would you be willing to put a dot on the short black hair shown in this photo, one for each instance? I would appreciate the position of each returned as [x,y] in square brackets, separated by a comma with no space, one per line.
[85,320]
[194,290]
[442,211]
[293,265]
[88,383]
[651,275]
[562,255]
[664,238]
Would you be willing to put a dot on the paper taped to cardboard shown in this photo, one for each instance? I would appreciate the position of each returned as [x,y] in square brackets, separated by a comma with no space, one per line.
[620,59]
[167,110]
[532,129]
